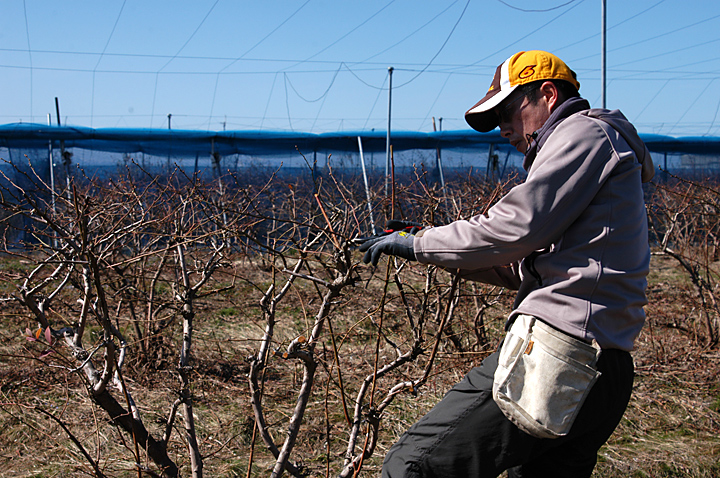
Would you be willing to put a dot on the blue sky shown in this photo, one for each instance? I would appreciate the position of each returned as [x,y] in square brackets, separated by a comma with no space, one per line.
[322,65]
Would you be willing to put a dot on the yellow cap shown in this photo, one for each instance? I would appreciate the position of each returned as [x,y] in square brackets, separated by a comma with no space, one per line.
[521,68]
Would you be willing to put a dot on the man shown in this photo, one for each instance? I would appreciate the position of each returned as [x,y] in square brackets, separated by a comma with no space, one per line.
[572,239]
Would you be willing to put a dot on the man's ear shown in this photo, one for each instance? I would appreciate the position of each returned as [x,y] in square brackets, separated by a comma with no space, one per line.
[550,94]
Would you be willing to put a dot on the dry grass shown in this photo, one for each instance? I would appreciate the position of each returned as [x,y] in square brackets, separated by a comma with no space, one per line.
[671,428]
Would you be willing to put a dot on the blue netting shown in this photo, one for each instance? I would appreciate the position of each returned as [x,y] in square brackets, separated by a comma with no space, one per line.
[185,143]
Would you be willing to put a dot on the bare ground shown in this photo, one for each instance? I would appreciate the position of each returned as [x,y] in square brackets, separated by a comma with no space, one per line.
[671,428]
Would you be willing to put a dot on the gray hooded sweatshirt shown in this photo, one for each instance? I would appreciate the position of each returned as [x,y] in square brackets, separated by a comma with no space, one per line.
[572,238]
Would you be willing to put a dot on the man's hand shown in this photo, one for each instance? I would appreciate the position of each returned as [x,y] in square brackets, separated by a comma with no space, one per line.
[399,244]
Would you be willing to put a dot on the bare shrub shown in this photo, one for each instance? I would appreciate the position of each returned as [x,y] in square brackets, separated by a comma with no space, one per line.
[685,221]
[121,275]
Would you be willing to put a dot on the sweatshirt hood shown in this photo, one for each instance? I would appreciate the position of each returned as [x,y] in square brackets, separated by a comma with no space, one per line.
[614,118]
[621,124]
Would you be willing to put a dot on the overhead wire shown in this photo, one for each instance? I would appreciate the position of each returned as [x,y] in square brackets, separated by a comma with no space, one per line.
[322,97]
[436,99]
[536,11]
[612,27]
[287,103]
[526,36]
[347,33]
[691,105]
[319,97]
[452,30]
[665,53]
[365,65]
[27,34]
[363,81]
[652,100]
[380,90]
[335,42]
[292,15]
[322,104]
[267,104]
[712,123]
[411,34]
[217,78]
[92,93]
[629,45]
[197,29]
[678,74]
[157,75]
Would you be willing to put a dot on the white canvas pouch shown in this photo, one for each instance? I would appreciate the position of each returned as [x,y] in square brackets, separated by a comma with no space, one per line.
[543,377]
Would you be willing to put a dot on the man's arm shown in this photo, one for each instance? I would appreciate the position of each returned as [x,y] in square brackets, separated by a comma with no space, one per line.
[563,180]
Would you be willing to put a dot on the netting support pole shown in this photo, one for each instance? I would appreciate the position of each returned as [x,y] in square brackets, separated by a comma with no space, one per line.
[52,169]
[387,140]
[367,187]
[216,158]
[438,161]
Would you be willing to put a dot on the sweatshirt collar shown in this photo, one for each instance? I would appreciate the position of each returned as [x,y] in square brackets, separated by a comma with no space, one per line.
[537,139]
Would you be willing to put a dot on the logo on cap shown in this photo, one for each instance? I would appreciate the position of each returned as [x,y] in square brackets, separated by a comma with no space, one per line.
[527,72]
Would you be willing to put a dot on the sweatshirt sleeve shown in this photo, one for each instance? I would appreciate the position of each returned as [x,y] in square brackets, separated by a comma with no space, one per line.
[503,276]
[563,180]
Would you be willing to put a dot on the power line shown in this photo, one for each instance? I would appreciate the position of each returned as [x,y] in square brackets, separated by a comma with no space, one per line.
[436,98]
[217,78]
[440,70]
[535,11]
[664,53]
[267,105]
[287,102]
[319,97]
[92,94]
[349,32]
[595,35]
[365,82]
[637,117]
[411,34]
[527,35]
[107,43]
[191,36]
[174,56]
[713,120]
[27,33]
[654,37]
[366,67]
[380,90]
[692,104]
[440,49]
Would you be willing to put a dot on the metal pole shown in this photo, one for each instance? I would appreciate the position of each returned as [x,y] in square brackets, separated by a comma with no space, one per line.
[170,149]
[367,188]
[65,157]
[216,158]
[57,110]
[52,168]
[438,161]
[491,152]
[603,58]
[387,141]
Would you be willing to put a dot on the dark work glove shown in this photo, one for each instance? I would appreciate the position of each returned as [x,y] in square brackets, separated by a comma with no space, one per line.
[398,243]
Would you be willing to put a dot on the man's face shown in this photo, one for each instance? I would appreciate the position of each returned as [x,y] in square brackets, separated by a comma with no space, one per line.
[520,117]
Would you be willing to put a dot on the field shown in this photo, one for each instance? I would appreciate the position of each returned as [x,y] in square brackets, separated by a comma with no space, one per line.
[180,329]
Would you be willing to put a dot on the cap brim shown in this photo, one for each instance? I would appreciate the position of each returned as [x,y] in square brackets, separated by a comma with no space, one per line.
[481,117]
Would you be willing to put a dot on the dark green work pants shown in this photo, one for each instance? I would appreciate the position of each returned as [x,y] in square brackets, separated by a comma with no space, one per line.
[467,436]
